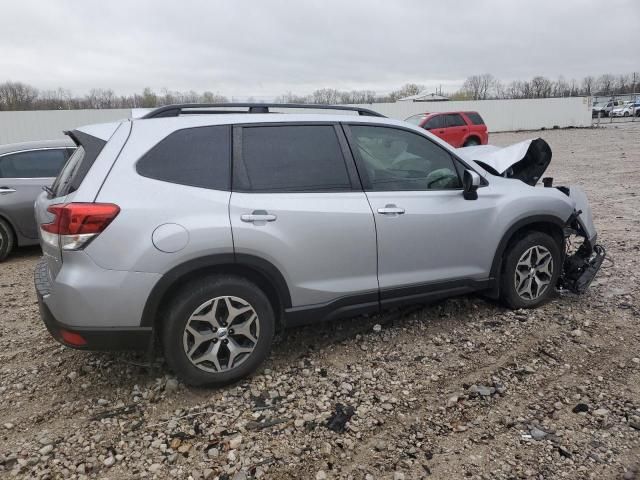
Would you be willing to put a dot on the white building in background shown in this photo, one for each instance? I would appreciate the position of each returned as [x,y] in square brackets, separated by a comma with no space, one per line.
[425,96]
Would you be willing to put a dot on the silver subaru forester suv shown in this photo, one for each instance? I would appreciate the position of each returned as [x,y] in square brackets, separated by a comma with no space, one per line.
[207,229]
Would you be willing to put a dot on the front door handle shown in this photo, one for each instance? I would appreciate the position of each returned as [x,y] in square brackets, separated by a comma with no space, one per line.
[6,190]
[391,209]
[258,216]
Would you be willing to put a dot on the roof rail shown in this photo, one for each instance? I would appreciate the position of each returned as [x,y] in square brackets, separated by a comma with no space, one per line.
[204,108]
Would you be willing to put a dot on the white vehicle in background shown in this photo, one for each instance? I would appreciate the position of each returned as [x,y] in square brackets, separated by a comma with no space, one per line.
[605,109]
[624,110]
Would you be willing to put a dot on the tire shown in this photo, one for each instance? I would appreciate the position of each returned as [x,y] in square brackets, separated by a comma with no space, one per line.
[191,305]
[626,114]
[471,142]
[515,292]
[7,240]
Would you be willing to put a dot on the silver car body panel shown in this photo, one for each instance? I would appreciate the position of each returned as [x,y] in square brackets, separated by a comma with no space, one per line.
[326,246]
[323,243]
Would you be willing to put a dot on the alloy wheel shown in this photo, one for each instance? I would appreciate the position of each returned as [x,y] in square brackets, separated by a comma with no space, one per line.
[534,271]
[221,334]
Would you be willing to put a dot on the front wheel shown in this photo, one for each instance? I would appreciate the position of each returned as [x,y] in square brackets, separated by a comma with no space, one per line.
[217,330]
[530,271]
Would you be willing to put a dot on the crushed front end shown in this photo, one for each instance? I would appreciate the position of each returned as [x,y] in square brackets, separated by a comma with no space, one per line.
[583,257]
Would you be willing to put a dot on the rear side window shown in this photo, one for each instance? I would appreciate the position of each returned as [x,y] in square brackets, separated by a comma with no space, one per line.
[435,122]
[455,120]
[475,118]
[33,164]
[198,157]
[291,158]
[77,167]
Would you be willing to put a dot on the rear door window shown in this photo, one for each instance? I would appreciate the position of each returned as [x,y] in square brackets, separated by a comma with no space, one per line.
[475,118]
[198,157]
[435,122]
[455,120]
[33,163]
[291,158]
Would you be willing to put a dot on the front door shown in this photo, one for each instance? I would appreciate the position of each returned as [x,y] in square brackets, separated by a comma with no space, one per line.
[429,236]
[297,204]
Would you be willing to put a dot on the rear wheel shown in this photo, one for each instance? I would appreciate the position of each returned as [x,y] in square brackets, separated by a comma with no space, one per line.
[530,271]
[218,330]
[6,239]
[471,142]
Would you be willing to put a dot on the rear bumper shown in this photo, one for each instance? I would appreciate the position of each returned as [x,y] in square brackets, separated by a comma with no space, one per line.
[86,338]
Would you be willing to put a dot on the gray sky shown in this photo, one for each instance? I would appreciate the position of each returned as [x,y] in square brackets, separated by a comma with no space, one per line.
[265,48]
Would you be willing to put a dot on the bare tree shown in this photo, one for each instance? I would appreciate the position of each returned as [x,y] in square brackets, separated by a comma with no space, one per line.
[326,96]
[17,96]
[605,84]
[480,87]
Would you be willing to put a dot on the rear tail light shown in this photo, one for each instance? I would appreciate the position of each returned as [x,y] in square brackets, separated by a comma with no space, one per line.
[72,338]
[77,224]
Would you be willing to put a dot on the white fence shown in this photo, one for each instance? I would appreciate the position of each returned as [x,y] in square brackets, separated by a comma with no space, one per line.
[49,124]
[504,115]
[500,116]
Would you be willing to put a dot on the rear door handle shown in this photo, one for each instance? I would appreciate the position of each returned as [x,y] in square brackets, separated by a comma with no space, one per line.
[6,190]
[258,216]
[391,209]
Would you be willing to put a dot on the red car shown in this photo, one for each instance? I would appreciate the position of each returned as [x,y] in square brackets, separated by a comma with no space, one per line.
[460,129]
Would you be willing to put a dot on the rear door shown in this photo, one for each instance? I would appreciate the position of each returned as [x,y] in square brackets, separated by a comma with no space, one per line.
[457,129]
[297,203]
[22,176]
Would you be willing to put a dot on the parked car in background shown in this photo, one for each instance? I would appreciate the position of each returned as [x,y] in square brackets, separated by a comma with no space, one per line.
[25,168]
[604,109]
[628,109]
[209,230]
[459,129]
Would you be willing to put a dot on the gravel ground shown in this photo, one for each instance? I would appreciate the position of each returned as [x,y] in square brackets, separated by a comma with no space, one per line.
[460,389]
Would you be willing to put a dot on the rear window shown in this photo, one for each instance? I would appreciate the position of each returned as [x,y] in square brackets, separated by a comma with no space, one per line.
[79,163]
[198,157]
[475,118]
[292,158]
[33,164]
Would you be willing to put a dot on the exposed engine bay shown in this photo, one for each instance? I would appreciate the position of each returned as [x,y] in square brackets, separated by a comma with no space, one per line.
[527,161]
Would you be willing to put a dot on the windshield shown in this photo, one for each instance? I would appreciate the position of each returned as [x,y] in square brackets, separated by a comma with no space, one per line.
[416,119]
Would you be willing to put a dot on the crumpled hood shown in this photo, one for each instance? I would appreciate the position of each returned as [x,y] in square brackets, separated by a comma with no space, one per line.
[525,161]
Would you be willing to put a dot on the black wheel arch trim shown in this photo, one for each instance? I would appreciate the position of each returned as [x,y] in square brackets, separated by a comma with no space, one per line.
[259,265]
[496,265]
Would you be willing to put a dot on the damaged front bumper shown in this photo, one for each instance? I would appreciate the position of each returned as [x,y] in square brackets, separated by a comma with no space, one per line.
[580,266]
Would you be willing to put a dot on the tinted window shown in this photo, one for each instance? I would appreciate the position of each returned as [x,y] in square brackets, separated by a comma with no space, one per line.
[455,120]
[293,158]
[79,164]
[435,122]
[198,157]
[33,164]
[399,160]
[475,118]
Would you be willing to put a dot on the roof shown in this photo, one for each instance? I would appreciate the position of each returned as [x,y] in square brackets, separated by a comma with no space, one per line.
[424,96]
[17,147]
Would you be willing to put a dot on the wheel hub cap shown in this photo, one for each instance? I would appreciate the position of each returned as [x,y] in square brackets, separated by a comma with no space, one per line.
[534,271]
[221,334]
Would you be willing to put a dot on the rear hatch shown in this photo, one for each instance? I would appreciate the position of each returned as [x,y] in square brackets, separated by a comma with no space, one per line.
[64,190]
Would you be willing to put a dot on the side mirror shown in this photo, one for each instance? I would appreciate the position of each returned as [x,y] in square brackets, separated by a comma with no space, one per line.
[470,184]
